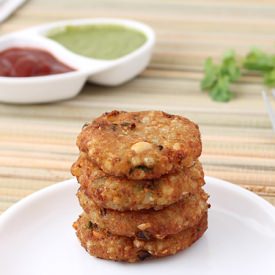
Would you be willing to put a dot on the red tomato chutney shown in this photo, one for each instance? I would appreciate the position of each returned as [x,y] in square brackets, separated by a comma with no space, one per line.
[25,62]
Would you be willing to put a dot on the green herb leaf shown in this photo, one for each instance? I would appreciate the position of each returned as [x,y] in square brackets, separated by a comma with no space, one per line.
[221,90]
[269,78]
[257,60]
[230,67]
[217,78]
[211,74]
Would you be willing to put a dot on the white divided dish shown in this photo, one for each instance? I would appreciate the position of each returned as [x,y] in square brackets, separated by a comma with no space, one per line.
[36,237]
[50,88]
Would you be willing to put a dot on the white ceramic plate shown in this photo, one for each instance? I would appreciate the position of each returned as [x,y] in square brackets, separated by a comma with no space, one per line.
[49,88]
[36,237]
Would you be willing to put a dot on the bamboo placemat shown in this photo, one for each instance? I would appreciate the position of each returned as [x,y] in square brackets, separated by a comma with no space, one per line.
[37,142]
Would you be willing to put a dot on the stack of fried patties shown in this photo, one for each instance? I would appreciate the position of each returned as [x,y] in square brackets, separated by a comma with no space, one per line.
[140,185]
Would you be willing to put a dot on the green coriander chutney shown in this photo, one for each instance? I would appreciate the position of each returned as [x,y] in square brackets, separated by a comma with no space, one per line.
[99,41]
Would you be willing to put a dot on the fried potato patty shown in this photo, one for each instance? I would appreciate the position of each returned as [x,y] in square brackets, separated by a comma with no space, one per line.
[124,194]
[141,145]
[102,244]
[147,224]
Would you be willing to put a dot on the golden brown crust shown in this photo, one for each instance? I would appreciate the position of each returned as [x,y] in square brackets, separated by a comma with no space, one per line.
[149,223]
[102,244]
[124,194]
[141,145]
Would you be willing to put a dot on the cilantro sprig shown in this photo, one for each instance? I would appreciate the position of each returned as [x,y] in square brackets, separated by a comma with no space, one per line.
[256,60]
[263,63]
[218,77]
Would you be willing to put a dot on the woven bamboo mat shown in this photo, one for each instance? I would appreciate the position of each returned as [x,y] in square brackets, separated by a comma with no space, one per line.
[37,142]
